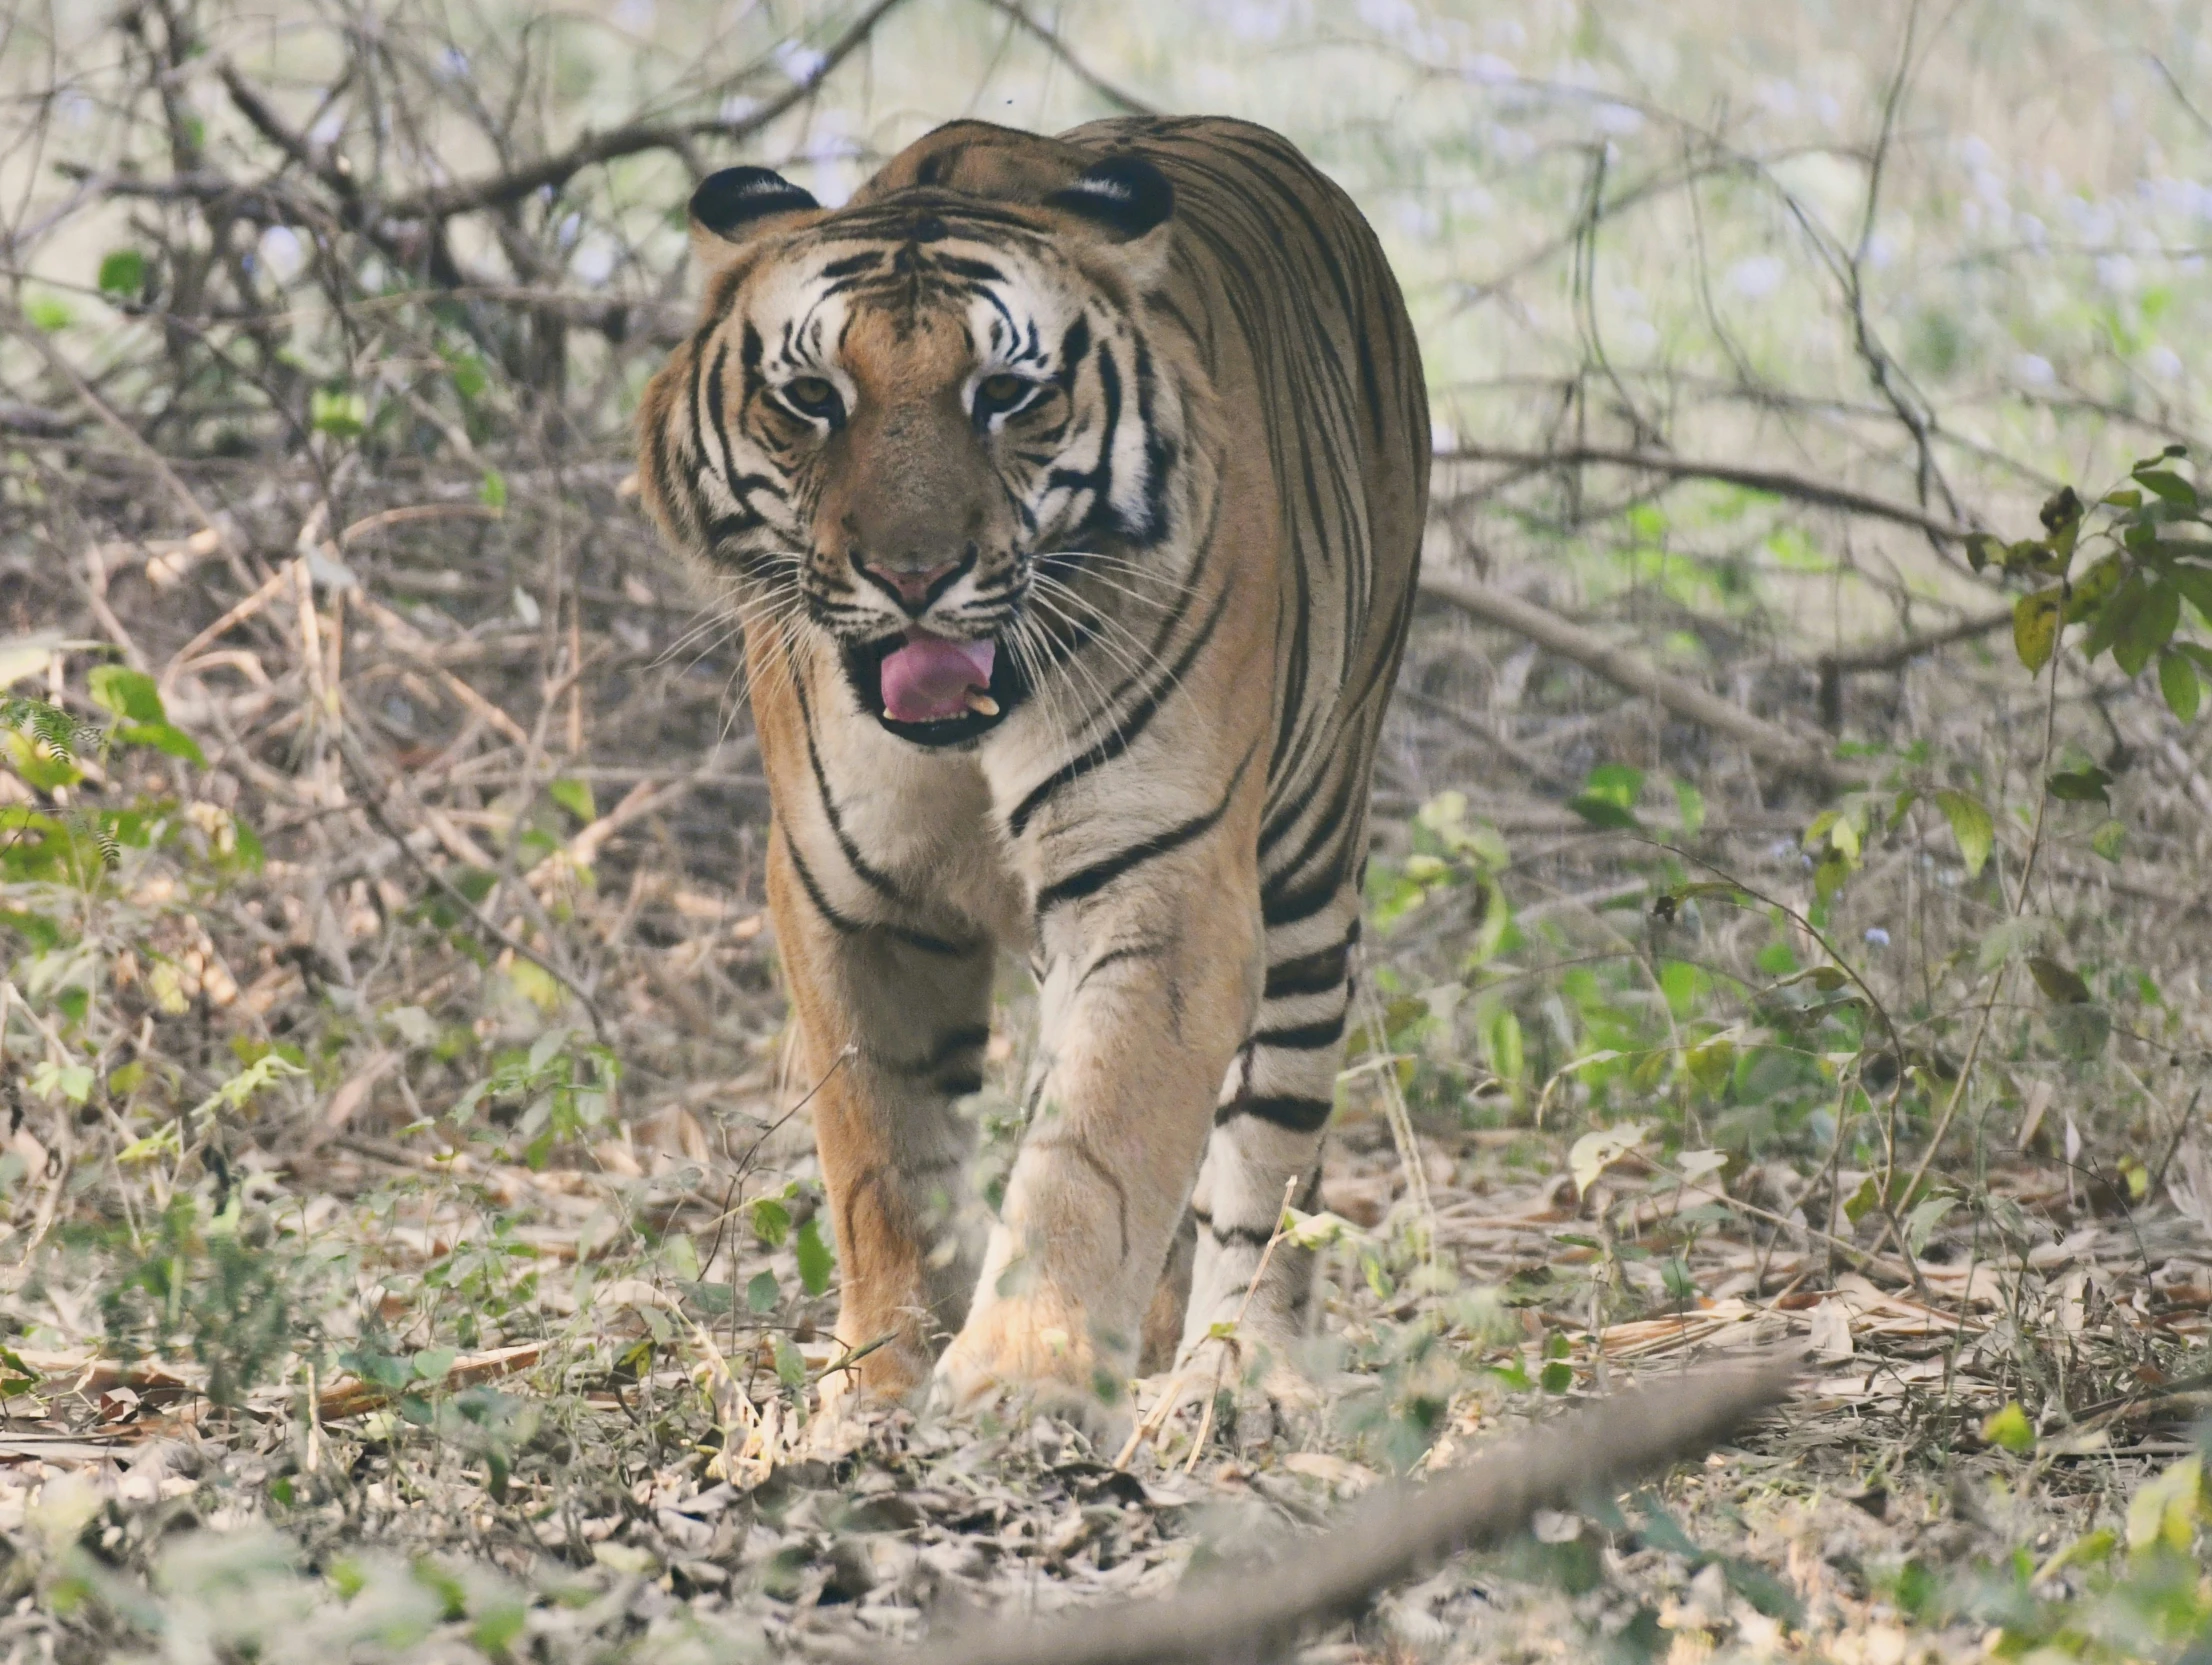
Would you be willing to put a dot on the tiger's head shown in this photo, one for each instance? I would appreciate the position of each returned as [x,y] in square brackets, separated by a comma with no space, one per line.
[906,423]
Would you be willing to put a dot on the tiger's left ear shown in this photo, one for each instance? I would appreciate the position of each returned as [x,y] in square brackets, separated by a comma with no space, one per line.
[1129,202]
[730,208]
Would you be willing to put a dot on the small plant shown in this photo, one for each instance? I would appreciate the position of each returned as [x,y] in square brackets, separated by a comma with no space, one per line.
[213,1286]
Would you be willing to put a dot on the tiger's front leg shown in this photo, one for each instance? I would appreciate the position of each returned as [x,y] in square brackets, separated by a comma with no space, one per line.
[892,1022]
[1150,977]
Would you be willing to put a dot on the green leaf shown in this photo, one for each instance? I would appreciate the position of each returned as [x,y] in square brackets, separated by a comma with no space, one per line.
[16,1376]
[1863,1201]
[49,314]
[431,1364]
[1691,803]
[771,1221]
[338,412]
[2148,627]
[1504,1044]
[131,695]
[42,932]
[493,492]
[713,1299]
[2195,582]
[1982,549]
[1970,825]
[1829,876]
[2106,623]
[2123,499]
[2058,982]
[790,1368]
[2010,1429]
[123,272]
[1608,797]
[162,737]
[2081,1028]
[2035,624]
[762,1293]
[1921,1222]
[1603,813]
[1593,1153]
[816,1262]
[2177,680]
[2086,785]
[575,797]
[2106,840]
[1765,1592]
[2095,587]
[2166,1511]
[1557,1376]
[2167,484]
[1616,783]
[469,376]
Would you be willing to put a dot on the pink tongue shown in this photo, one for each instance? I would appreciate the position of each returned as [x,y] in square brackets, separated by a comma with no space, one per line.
[927,680]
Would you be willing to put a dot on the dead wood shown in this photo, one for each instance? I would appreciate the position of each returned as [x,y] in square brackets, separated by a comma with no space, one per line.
[1393,1533]
[1769,742]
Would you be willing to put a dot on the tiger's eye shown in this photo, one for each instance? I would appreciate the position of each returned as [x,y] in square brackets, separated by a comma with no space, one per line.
[815,395]
[1001,390]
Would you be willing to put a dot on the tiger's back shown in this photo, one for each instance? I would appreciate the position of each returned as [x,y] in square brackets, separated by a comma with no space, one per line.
[1217,477]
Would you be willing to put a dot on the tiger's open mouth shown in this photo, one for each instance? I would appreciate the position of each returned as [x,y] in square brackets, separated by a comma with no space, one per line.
[933,690]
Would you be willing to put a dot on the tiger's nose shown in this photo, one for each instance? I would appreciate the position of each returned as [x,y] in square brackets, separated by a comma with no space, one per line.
[913,588]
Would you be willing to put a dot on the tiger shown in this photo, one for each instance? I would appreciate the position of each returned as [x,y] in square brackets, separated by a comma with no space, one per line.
[1068,495]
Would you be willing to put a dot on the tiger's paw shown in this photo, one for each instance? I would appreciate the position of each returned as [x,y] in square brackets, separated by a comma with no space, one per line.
[1240,1391]
[1020,1358]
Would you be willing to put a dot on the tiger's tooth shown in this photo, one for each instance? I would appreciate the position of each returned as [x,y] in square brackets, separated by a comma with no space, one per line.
[981,703]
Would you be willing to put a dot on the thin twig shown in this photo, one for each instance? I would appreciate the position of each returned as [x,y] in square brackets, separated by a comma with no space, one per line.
[1769,742]
[631,138]
[1799,487]
[372,792]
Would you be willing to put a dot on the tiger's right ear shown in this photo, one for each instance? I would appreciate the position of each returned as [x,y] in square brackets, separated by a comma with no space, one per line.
[731,207]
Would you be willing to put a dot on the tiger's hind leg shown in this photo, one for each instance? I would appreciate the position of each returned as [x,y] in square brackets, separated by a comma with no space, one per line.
[1266,1142]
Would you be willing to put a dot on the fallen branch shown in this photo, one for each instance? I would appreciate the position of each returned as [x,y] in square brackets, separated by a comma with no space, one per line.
[1769,742]
[1782,484]
[1394,1532]
[351,1398]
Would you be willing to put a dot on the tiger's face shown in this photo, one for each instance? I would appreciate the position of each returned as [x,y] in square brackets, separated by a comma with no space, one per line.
[905,425]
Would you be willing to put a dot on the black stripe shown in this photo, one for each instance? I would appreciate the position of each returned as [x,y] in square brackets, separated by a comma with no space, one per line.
[1305,1037]
[840,923]
[1315,973]
[1296,1115]
[953,1043]
[1257,1236]
[1123,734]
[1088,881]
[1119,956]
[875,879]
[846,925]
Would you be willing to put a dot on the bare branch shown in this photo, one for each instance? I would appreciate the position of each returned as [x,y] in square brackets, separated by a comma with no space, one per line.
[1890,656]
[1782,484]
[630,139]
[1128,103]
[1769,742]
